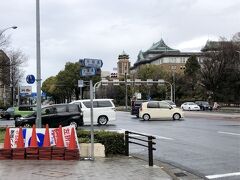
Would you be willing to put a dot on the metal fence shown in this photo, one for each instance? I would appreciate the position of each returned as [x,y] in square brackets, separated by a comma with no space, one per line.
[148,143]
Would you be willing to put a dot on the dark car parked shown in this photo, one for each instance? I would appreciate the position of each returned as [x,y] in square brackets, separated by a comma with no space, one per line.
[135,105]
[55,115]
[204,105]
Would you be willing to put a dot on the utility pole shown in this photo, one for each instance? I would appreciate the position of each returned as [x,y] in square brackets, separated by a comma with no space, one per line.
[38,119]
[126,95]
[173,68]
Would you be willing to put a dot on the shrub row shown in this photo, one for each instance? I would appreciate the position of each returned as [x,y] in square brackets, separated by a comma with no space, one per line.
[113,141]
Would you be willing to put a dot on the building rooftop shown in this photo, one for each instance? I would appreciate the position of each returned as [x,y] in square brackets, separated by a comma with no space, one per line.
[156,49]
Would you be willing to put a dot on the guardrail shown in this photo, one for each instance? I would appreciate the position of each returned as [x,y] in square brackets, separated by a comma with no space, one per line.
[149,145]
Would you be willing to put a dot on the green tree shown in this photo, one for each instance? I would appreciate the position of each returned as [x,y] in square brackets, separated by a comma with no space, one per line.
[50,88]
[192,76]
[64,86]
[154,72]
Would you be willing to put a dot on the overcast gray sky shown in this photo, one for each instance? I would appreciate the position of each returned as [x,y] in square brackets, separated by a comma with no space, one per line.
[74,29]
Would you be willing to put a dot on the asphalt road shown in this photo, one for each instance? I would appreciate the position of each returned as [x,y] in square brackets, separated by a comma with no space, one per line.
[204,143]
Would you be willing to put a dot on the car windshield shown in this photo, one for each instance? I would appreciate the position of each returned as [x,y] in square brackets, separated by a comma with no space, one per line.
[191,103]
[169,102]
[11,109]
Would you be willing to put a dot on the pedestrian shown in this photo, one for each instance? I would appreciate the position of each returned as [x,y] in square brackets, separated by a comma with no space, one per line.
[216,106]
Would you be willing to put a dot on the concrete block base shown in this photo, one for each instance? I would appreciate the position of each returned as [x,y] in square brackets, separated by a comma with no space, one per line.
[85,150]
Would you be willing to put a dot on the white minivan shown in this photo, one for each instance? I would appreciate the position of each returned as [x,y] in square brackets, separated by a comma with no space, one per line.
[103,110]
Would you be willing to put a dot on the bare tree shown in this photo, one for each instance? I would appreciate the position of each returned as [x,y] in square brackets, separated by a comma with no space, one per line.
[220,71]
[236,37]
[4,41]
[17,61]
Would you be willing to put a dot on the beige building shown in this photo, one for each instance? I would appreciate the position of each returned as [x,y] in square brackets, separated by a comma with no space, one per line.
[123,64]
[161,54]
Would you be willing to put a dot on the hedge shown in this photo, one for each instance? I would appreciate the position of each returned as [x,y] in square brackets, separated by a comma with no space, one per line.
[113,141]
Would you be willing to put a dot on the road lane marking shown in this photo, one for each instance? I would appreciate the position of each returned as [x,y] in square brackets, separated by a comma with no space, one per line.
[135,135]
[162,137]
[229,133]
[223,175]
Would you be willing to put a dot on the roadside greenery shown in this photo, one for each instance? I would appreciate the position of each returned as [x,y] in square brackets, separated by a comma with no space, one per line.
[64,86]
[113,141]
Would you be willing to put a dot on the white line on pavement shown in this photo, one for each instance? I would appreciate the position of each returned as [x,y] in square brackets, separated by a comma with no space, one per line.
[229,133]
[158,137]
[162,137]
[223,175]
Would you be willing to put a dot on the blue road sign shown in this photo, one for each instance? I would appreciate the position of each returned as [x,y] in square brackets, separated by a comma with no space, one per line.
[40,139]
[34,94]
[95,63]
[30,79]
[87,71]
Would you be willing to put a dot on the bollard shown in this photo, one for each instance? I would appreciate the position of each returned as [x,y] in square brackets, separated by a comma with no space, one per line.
[150,151]
[126,143]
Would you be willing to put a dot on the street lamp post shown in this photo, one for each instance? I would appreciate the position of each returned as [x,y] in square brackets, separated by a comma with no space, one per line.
[38,119]
[12,27]
[126,95]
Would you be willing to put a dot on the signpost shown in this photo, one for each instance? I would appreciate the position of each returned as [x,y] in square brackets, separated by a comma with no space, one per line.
[30,79]
[80,83]
[95,63]
[89,69]
[25,90]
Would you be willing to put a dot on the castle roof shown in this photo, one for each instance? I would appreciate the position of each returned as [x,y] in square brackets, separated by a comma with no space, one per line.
[155,50]
[123,56]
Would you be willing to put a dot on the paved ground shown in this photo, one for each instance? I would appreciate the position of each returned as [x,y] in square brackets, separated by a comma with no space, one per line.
[120,167]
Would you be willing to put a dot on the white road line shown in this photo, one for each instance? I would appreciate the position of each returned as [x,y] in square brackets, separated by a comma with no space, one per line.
[223,175]
[229,133]
[162,137]
[158,137]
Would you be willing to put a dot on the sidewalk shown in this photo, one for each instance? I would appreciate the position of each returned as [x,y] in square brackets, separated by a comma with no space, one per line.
[117,168]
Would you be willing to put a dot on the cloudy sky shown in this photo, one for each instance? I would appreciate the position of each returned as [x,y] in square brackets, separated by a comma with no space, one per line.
[74,29]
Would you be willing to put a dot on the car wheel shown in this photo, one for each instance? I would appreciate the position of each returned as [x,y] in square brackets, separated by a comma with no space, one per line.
[7,117]
[15,117]
[102,120]
[73,123]
[146,117]
[27,125]
[137,116]
[176,116]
